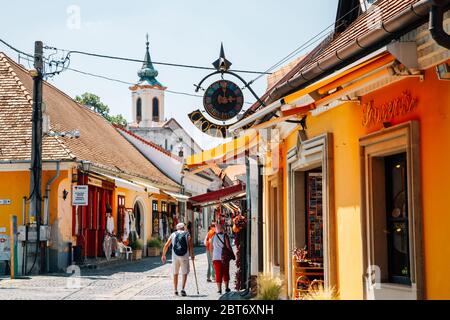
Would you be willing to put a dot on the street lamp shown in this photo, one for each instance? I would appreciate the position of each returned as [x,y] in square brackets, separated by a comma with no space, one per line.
[85,166]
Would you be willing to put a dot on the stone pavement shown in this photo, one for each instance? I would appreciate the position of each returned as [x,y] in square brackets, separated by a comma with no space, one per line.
[139,280]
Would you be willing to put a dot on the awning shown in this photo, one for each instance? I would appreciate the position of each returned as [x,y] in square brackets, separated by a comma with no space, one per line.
[122,183]
[223,153]
[178,196]
[216,197]
[149,188]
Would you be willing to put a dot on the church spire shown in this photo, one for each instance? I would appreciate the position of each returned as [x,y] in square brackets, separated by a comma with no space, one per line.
[148,73]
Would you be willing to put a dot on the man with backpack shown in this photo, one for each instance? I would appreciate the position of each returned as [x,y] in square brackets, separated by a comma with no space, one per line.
[182,248]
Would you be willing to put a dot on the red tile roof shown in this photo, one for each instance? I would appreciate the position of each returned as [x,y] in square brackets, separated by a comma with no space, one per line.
[99,142]
[385,9]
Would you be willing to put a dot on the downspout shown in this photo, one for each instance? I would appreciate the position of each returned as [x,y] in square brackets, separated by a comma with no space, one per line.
[47,194]
[436,26]
[47,210]
[260,218]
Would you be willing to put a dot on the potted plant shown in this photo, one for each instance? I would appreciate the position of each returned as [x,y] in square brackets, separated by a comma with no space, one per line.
[137,246]
[300,255]
[269,287]
[154,246]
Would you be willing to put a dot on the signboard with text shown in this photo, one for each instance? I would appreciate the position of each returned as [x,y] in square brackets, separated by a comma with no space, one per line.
[4,248]
[80,195]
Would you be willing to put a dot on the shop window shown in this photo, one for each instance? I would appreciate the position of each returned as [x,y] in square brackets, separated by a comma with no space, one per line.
[391,213]
[397,219]
[314,218]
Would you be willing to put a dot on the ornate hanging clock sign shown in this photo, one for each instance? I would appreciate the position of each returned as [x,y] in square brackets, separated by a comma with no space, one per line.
[223,100]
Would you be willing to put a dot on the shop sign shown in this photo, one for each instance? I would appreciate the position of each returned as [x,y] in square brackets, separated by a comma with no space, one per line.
[5,201]
[94,182]
[80,195]
[400,106]
[4,247]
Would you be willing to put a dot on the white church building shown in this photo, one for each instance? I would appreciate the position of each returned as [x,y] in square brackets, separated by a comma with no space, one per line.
[165,143]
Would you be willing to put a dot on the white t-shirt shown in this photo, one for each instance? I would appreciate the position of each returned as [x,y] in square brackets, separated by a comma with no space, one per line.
[172,238]
[110,224]
[217,246]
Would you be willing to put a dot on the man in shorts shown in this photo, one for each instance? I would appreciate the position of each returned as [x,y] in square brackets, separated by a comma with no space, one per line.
[182,248]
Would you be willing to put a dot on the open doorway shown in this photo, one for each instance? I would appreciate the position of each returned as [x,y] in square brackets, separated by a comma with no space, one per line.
[308,214]
[311,212]
[139,219]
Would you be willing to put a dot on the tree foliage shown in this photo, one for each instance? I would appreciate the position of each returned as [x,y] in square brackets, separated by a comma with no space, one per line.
[93,101]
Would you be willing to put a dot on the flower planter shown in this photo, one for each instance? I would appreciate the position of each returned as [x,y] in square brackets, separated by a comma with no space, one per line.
[153,251]
[137,254]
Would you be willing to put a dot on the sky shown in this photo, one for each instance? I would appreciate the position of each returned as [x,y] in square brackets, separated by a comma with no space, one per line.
[256,34]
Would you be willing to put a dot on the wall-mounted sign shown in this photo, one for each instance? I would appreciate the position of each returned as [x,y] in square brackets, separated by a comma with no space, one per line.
[5,201]
[94,182]
[223,100]
[80,195]
[5,252]
[400,106]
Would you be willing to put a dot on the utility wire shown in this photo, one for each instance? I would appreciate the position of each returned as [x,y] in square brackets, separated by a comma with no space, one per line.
[308,43]
[15,49]
[125,82]
[69,52]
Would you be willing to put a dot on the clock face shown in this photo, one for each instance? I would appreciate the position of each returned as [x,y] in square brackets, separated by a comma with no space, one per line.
[223,100]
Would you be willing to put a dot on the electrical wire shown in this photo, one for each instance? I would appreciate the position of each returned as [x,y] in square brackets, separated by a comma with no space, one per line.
[16,50]
[309,43]
[97,55]
[124,82]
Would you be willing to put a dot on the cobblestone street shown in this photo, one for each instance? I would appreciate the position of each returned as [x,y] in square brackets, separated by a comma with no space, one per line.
[141,280]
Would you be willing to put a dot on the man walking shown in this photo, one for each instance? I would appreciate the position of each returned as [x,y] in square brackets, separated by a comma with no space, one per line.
[182,248]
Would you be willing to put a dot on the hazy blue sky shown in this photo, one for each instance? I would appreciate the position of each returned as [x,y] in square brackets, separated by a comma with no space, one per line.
[256,34]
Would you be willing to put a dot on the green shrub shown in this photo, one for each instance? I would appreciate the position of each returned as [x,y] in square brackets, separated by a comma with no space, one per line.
[269,288]
[154,243]
[137,244]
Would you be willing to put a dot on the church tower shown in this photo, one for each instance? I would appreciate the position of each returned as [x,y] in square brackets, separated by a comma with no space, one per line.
[147,96]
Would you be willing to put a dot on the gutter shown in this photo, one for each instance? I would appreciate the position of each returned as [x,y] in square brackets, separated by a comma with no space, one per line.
[411,17]
[436,24]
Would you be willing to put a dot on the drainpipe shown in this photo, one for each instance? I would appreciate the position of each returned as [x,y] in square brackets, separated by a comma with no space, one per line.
[47,195]
[260,218]
[47,216]
[436,27]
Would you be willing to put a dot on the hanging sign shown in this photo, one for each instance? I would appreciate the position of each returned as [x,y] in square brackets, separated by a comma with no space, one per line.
[223,100]
[80,195]
[206,126]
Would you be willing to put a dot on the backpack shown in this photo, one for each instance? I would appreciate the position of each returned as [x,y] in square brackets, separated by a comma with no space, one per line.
[180,246]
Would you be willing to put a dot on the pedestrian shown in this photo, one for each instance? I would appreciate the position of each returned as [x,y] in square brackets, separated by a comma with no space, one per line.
[211,232]
[222,254]
[182,248]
